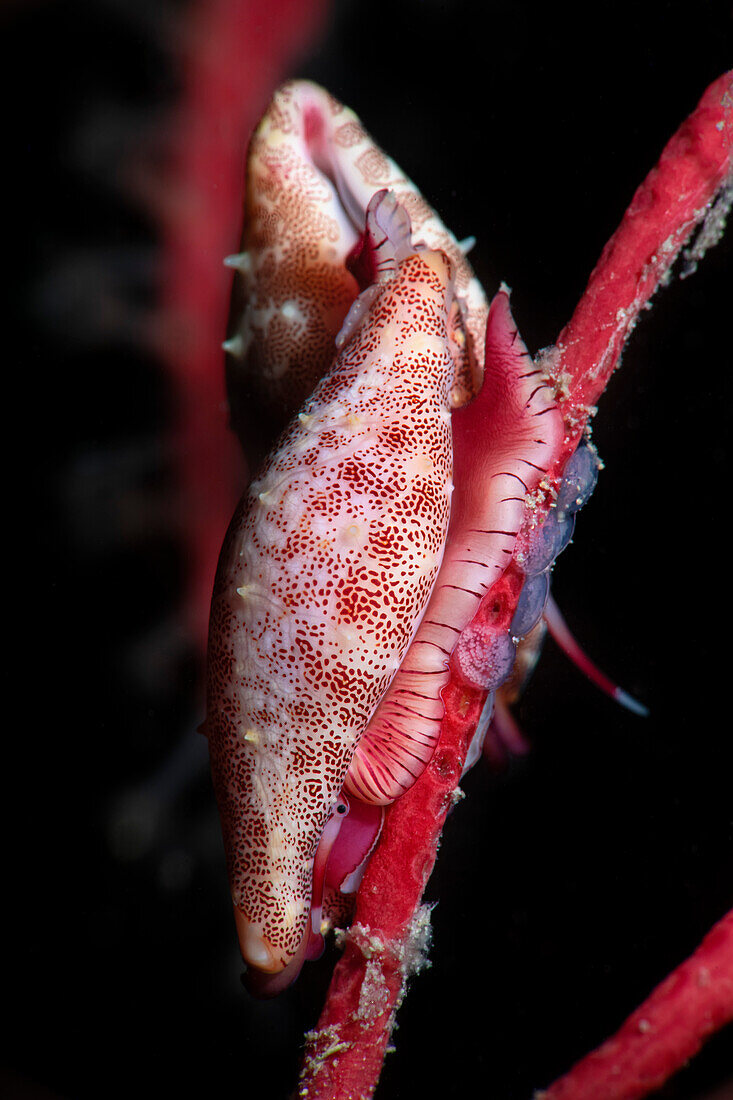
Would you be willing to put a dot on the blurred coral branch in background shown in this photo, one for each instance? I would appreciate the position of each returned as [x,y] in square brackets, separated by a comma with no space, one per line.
[233,57]
[664,1032]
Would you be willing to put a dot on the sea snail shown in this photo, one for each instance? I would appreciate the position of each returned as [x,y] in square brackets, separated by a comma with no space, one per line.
[350,584]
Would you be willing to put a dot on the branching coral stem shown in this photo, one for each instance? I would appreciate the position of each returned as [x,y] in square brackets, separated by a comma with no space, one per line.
[344,1054]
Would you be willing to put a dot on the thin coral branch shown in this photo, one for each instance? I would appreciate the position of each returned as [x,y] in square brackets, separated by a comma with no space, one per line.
[664,1032]
[344,1053]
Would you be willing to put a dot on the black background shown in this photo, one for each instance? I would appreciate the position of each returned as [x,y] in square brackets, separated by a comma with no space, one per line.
[568,884]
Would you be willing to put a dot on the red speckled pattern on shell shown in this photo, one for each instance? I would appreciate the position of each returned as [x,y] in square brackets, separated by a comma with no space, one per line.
[327,567]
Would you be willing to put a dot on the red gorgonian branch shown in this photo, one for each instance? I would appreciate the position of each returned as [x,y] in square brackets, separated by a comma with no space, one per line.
[344,1054]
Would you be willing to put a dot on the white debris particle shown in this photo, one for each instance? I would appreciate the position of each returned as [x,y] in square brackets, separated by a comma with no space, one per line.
[374,994]
[547,488]
[416,945]
[410,952]
[320,1046]
[548,361]
[710,231]
[362,936]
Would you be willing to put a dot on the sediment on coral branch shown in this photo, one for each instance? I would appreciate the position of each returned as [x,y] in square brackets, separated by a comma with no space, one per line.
[387,965]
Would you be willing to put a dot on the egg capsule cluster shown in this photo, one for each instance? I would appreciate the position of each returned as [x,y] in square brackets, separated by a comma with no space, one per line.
[550,539]
[484,658]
